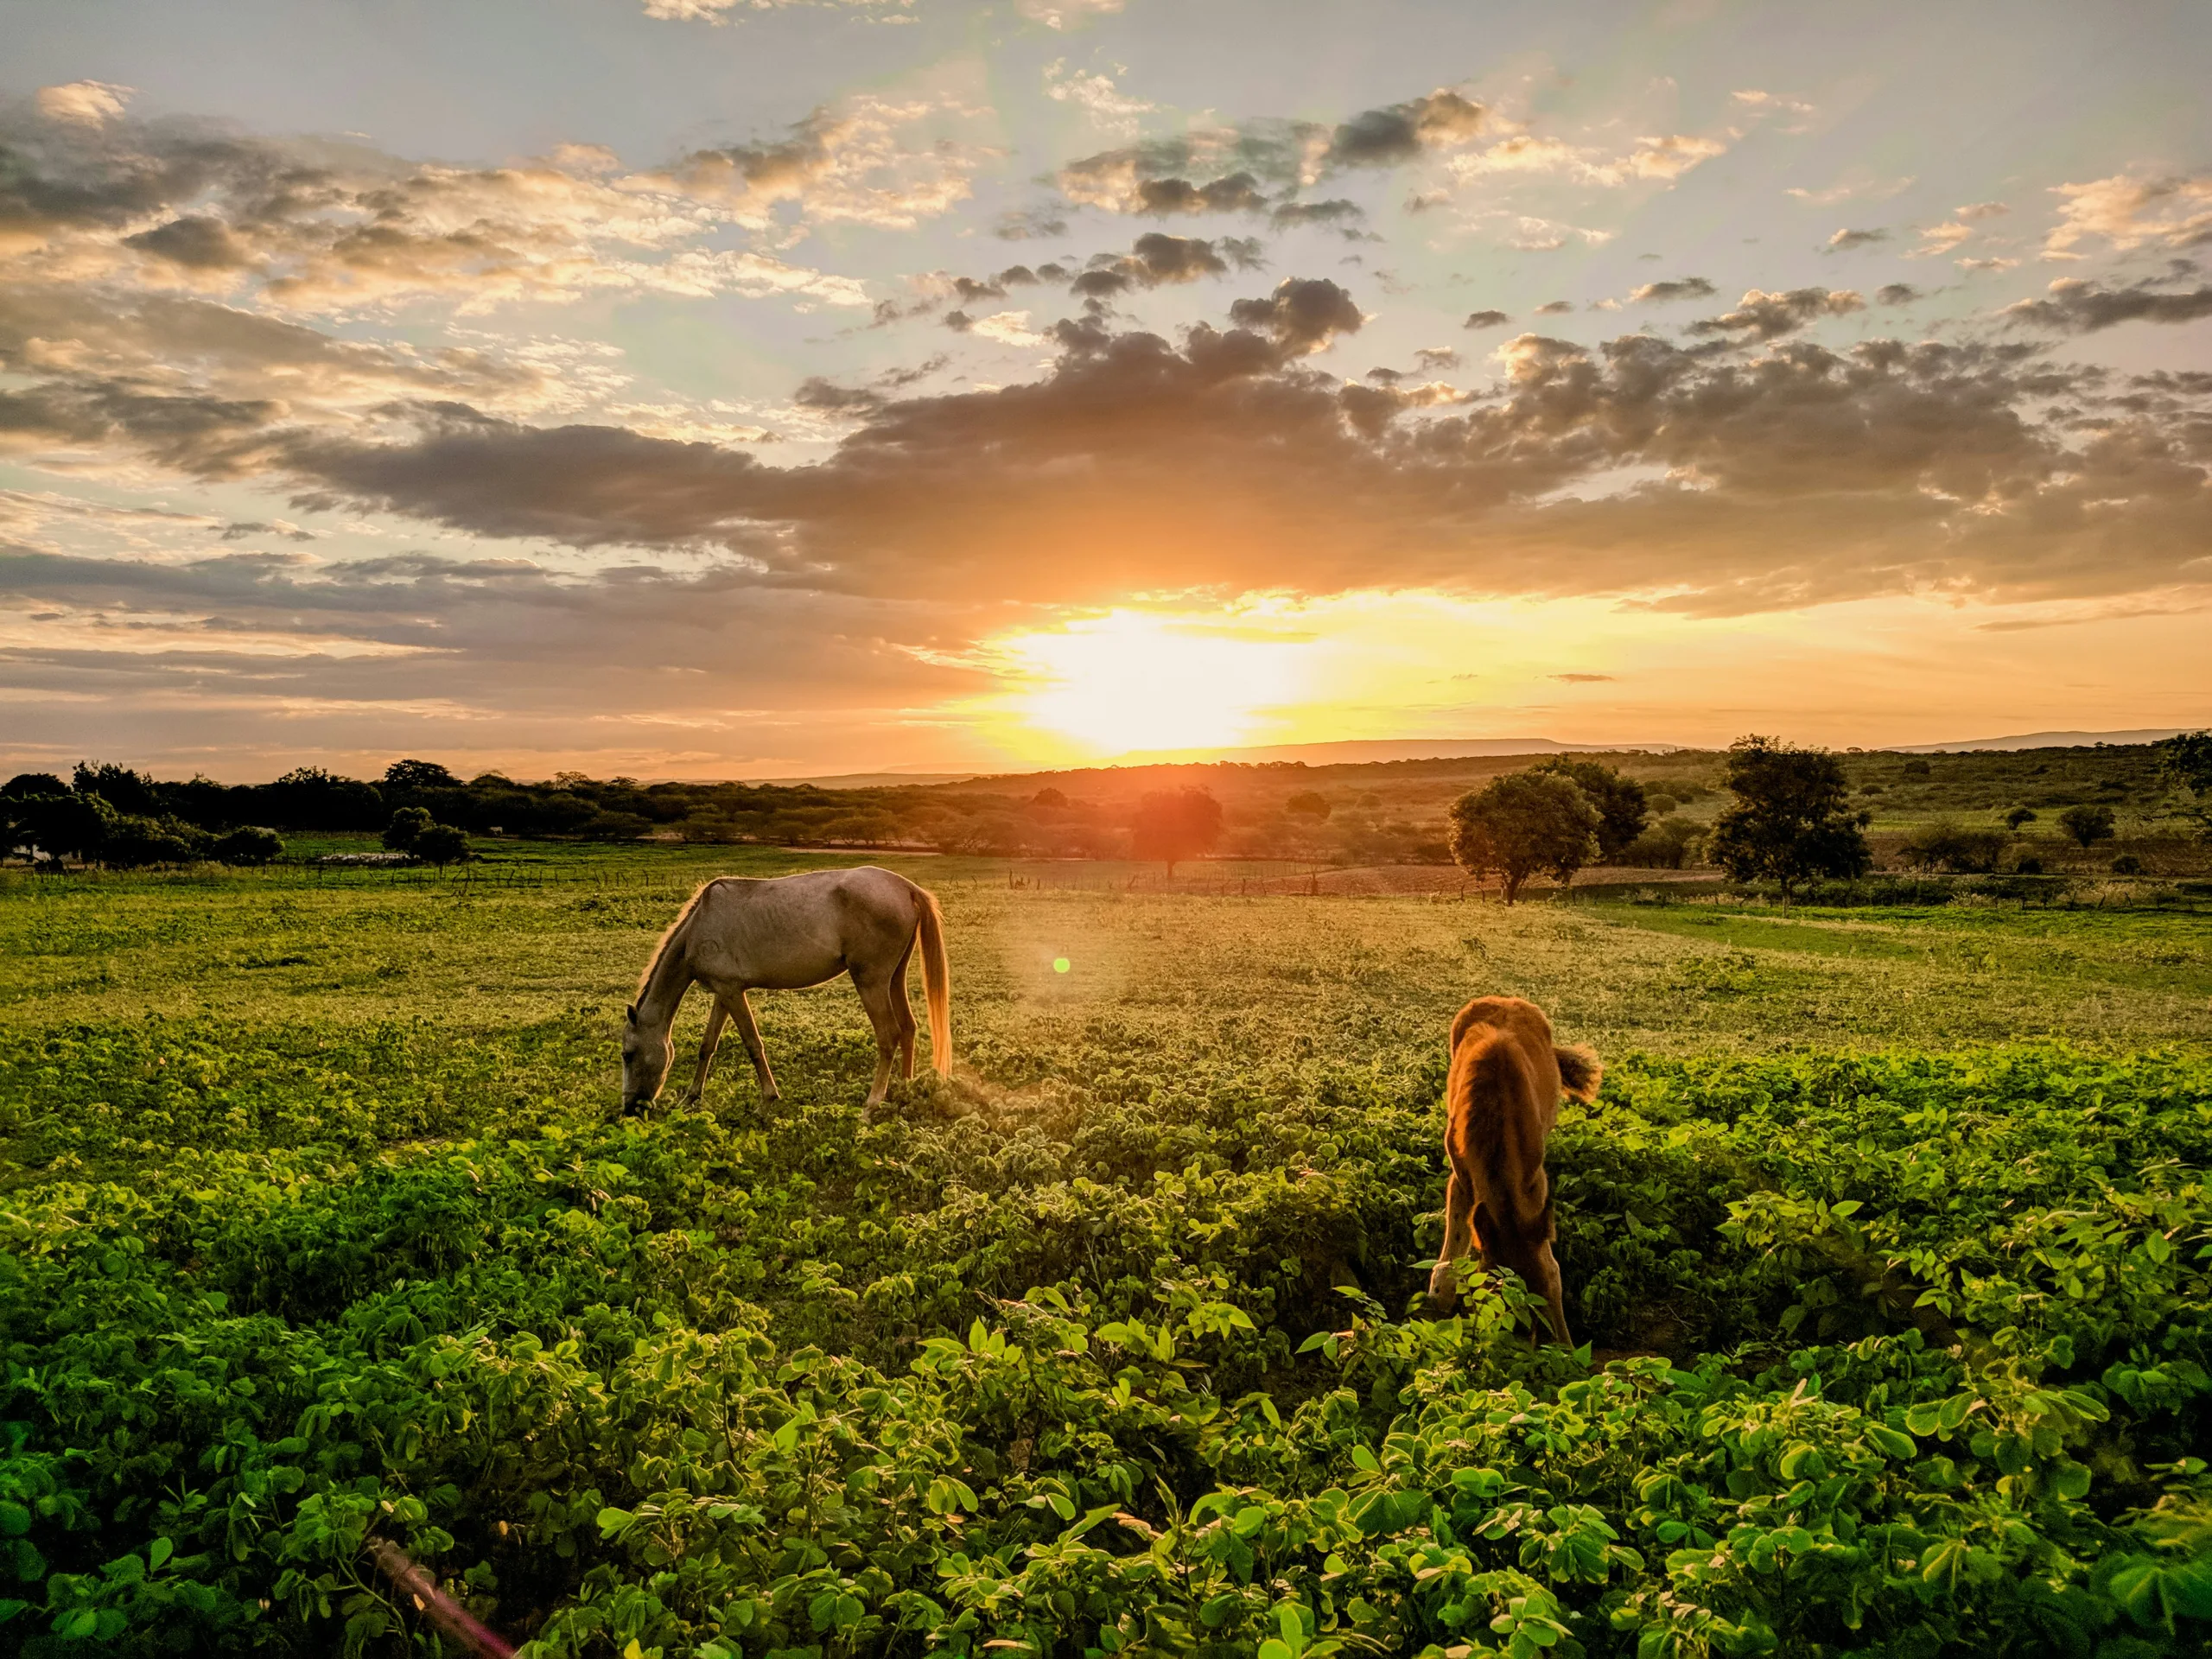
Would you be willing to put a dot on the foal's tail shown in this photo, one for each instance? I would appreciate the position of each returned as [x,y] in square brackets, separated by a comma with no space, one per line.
[936,980]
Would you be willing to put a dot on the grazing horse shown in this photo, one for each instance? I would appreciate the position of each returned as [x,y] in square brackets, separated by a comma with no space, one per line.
[738,935]
[1502,1099]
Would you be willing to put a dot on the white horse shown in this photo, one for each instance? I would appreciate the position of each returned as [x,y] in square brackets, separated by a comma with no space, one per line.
[738,935]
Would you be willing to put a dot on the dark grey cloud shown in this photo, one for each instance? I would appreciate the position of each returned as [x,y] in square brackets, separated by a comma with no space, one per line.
[1486,319]
[1554,308]
[1896,294]
[1336,212]
[200,243]
[1304,313]
[2081,307]
[1232,169]
[1844,241]
[1681,287]
[1156,258]
[1401,132]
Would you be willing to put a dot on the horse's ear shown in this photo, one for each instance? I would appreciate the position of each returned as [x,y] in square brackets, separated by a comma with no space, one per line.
[629,1014]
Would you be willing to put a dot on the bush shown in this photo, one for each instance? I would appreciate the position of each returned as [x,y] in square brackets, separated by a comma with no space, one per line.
[406,828]
[2128,864]
[442,844]
[134,842]
[2086,825]
[249,845]
[1668,845]
[1948,845]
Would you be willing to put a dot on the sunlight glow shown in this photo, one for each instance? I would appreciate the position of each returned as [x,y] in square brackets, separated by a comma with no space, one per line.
[1130,680]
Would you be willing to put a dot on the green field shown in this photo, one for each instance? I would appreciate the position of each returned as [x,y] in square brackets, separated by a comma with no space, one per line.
[1888,1241]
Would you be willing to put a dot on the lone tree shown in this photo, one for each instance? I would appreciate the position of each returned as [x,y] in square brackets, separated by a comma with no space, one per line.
[2086,825]
[1623,809]
[2017,816]
[1523,823]
[1791,820]
[1173,826]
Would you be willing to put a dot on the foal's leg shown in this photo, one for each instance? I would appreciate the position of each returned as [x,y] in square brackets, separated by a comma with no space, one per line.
[717,1017]
[875,997]
[743,1011]
[1458,1235]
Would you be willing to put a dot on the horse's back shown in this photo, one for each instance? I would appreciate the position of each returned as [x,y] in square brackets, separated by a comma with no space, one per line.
[1502,1097]
[783,931]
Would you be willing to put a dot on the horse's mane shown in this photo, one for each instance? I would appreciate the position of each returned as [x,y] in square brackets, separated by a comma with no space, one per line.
[668,938]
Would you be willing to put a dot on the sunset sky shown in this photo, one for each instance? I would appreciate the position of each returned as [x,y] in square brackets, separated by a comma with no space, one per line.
[714,388]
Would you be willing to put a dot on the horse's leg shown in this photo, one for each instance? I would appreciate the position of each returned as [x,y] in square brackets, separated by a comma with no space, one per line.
[1547,1281]
[742,1011]
[1459,1235]
[905,1010]
[875,997]
[717,1017]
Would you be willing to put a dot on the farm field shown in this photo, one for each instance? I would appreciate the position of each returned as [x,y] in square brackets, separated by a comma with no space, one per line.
[1888,1241]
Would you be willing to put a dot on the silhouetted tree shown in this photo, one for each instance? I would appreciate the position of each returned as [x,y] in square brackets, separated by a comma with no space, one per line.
[2186,760]
[1623,809]
[120,787]
[1309,804]
[1172,827]
[1790,820]
[26,785]
[1523,823]
[419,774]
[2086,825]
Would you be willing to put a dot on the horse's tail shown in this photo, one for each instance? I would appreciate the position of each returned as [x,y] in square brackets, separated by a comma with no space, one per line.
[937,979]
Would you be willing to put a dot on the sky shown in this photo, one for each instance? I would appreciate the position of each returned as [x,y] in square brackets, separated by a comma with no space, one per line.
[733,388]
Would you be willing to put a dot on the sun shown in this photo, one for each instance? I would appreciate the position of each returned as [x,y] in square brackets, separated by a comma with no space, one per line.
[1129,680]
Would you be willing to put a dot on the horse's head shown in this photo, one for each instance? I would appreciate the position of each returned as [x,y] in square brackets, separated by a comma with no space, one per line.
[646,1056]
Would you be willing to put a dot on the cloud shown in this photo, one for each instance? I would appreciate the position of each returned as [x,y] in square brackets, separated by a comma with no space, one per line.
[1855,188]
[1779,476]
[85,102]
[1682,288]
[1663,158]
[1095,93]
[1303,314]
[1336,211]
[857,162]
[1437,357]
[1401,132]
[1554,308]
[1896,294]
[2079,308]
[1486,319]
[1844,241]
[1066,13]
[1582,679]
[718,11]
[1234,169]
[2131,212]
[1769,316]
[1937,240]
[1156,258]
[1980,210]
[331,226]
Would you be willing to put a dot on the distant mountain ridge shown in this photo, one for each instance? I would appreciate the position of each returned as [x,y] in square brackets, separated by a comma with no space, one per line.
[2044,741]
[1352,751]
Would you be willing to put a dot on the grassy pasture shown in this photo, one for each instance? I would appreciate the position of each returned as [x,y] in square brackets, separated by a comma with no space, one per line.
[1888,1235]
